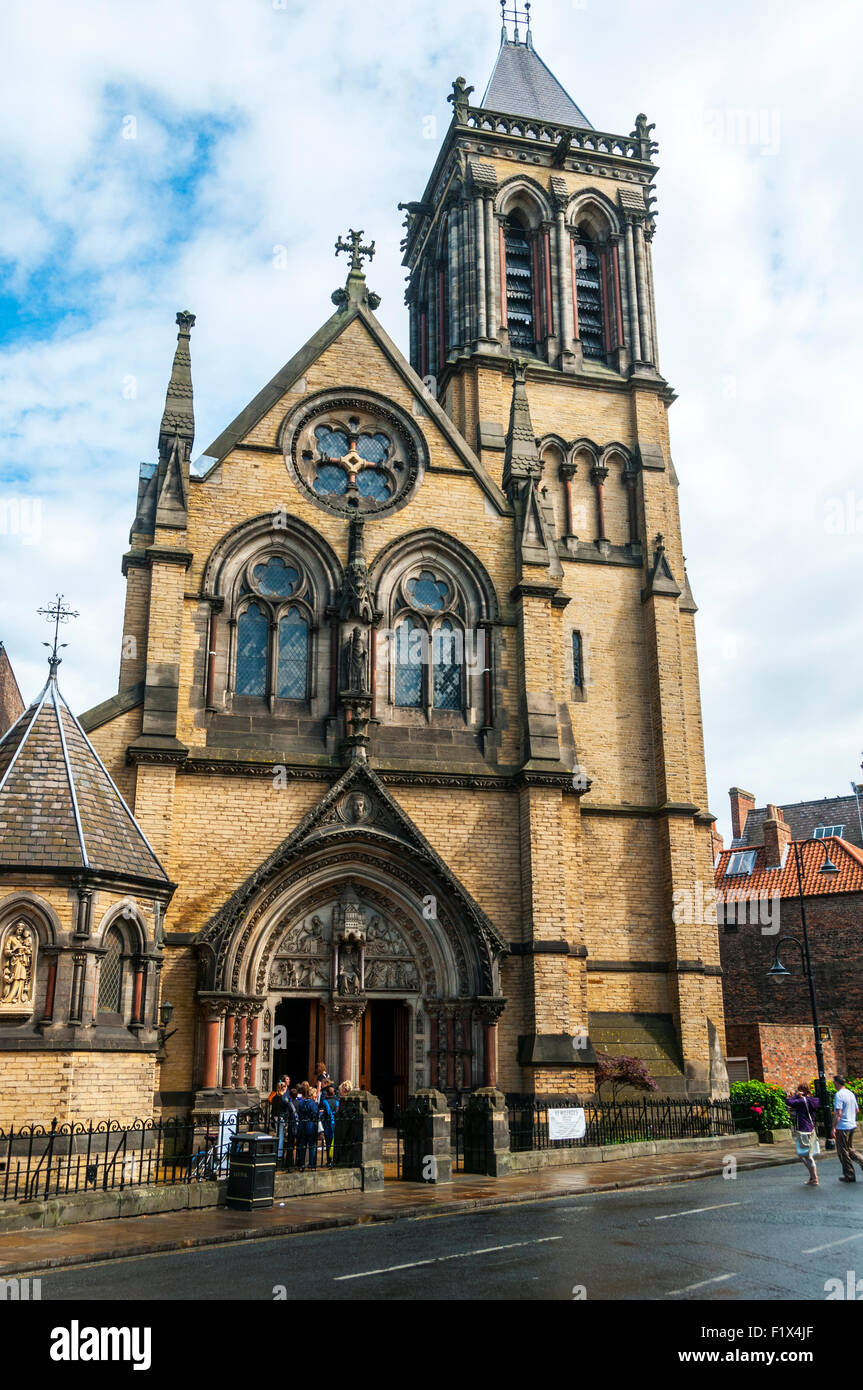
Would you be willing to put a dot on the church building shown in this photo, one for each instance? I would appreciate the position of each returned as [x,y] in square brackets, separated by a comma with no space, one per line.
[405,769]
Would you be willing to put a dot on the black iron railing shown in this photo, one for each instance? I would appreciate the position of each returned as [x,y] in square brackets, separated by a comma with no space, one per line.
[620,1122]
[38,1161]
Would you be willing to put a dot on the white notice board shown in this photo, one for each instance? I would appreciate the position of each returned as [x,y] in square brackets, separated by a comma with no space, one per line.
[566,1124]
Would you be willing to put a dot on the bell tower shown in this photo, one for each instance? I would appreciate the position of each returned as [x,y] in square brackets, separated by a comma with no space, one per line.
[533,321]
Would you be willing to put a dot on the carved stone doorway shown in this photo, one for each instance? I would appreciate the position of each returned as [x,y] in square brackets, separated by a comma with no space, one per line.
[385,1066]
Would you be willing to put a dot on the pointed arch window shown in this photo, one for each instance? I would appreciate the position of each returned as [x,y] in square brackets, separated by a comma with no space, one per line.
[253,635]
[111,974]
[293,663]
[408,664]
[520,289]
[589,296]
[274,627]
[447,658]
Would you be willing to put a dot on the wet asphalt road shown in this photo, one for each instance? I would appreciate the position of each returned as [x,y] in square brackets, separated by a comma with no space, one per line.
[762,1236]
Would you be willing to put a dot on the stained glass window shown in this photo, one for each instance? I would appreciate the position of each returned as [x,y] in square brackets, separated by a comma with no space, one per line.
[371,483]
[591,329]
[408,659]
[110,973]
[332,444]
[276,578]
[519,286]
[253,629]
[330,478]
[427,591]
[292,667]
[373,447]
[576,661]
[446,662]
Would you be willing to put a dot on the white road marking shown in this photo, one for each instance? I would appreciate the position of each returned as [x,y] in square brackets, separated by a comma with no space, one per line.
[439,1259]
[693,1211]
[720,1279]
[816,1249]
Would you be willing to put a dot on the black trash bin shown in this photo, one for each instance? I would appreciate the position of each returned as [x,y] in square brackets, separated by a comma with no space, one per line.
[251,1172]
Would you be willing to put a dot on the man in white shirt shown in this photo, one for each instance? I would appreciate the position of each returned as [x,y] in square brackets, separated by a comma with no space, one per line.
[844,1125]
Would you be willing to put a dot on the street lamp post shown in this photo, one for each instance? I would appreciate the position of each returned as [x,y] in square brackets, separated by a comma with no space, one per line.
[778,972]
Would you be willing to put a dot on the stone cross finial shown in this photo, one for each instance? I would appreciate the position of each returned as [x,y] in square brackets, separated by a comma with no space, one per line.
[355,248]
[185,321]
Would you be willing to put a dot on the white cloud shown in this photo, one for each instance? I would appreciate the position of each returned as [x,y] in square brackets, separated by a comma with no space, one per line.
[313,117]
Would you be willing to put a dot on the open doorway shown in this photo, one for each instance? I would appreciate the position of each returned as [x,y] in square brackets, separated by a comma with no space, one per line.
[385,1054]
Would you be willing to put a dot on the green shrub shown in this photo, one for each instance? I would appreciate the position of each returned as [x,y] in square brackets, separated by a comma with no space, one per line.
[854,1084]
[771,1099]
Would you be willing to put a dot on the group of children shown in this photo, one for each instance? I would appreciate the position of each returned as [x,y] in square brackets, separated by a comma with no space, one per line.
[304,1114]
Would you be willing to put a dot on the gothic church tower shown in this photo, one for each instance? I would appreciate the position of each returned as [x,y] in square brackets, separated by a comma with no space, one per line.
[533,320]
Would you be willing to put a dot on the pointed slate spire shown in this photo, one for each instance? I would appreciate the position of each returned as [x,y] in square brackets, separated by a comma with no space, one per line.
[176,433]
[521,460]
[660,579]
[522,471]
[179,415]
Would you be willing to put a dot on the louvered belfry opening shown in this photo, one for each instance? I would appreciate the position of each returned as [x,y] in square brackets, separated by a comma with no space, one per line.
[588,282]
[519,285]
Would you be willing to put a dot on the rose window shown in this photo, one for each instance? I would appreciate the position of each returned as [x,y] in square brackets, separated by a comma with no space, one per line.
[354,455]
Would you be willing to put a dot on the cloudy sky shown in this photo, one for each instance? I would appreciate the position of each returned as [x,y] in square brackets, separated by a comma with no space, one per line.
[205,154]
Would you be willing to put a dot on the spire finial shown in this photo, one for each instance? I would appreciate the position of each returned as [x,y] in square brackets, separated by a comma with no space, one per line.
[56,614]
[355,291]
[354,247]
[178,418]
[517,17]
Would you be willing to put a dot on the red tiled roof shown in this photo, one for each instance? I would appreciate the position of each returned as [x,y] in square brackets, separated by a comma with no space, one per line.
[59,808]
[763,880]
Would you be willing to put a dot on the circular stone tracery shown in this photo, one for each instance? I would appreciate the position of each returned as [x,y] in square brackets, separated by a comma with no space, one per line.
[354,454]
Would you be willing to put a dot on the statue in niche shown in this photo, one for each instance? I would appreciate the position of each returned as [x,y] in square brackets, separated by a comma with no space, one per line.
[348,978]
[356,660]
[18,966]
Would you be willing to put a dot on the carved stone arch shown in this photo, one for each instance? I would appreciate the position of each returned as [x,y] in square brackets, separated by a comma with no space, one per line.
[553,441]
[584,449]
[261,533]
[128,919]
[427,546]
[454,963]
[525,195]
[36,910]
[616,455]
[592,213]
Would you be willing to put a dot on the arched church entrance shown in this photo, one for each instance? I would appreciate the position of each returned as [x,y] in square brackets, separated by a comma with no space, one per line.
[352,948]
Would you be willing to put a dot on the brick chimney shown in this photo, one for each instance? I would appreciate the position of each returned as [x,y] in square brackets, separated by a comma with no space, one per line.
[777,837]
[718,842]
[741,804]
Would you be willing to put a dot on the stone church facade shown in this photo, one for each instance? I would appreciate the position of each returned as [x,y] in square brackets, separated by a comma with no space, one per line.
[408,715]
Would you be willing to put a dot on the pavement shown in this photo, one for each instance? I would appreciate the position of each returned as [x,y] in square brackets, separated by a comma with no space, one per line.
[25,1252]
[759,1238]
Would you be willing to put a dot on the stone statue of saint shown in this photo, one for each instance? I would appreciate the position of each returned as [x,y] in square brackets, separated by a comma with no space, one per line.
[348,980]
[357,662]
[17,967]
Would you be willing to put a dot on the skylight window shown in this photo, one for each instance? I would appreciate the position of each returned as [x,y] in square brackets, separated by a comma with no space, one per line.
[743,862]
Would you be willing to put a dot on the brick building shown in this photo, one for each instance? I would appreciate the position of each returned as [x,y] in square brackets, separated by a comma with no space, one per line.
[769,1022]
[408,703]
[11,704]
